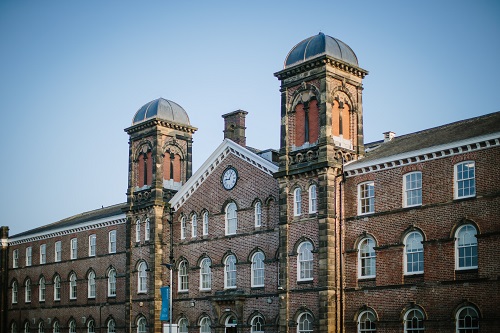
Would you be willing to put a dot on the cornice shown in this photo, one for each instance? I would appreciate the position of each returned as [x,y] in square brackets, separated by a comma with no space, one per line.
[160,122]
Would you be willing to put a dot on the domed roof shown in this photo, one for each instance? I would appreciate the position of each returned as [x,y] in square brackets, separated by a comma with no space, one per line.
[319,45]
[162,109]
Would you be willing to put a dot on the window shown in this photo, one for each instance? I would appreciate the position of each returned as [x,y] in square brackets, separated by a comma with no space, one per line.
[28,256]
[258,214]
[258,269]
[112,282]
[27,291]
[57,288]
[141,325]
[305,323]
[183,325]
[14,292]
[257,324]
[112,241]
[111,326]
[26,327]
[205,223]
[183,227]
[72,286]
[467,320]
[13,328]
[366,198]
[414,253]
[465,179]
[297,202]
[72,326]
[305,262]
[205,325]
[466,247]
[205,274]
[313,201]
[183,276]
[91,285]
[414,321]
[41,289]
[138,231]
[366,322]
[231,219]
[230,272]
[91,327]
[194,226]
[92,241]
[147,229]
[43,254]
[366,258]
[142,278]
[74,248]
[57,251]
[15,258]
[55,327]
[412,189]
[41,327]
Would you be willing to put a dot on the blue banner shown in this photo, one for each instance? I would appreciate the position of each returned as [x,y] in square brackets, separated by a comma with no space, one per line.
[165,303]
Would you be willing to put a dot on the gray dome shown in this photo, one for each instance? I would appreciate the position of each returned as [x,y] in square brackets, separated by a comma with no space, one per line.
[162,109]
[319,45]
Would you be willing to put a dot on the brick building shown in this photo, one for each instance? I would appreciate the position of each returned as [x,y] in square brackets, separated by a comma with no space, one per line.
[328,234]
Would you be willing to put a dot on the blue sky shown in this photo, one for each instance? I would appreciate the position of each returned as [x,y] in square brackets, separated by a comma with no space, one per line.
[73,73]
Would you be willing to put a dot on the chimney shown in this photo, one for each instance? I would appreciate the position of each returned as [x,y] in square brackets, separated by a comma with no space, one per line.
[388,136]
[234,126]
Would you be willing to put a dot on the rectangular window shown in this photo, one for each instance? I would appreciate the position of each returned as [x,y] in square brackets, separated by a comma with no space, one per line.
[465,180]
[58,251]
[183,227]
[43,254]
[92,240]
[74,248]
[413,189]
[112,241]
[28,256]
[15,258]
[366,198]
[205,223]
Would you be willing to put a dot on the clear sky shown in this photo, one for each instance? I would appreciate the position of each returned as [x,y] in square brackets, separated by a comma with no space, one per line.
[73,73]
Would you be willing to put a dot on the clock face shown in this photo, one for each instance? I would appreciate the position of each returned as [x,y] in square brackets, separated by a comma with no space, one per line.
[229,178]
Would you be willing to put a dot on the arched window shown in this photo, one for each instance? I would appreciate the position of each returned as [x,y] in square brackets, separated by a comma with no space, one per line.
[205,274]
[147,229]
[57,288]
[414,253]
[258,214]
[313,202]
[111,326]
[91,285]
[41,327]
[41,289]
[205,223]
[366,322]
[205,325]
[141,325]
[231,219]
[27,327]
[183,227]
[230,272]
[414,321]
[257,324]
[142,278]
[466,247]
[55,327]
[14,292]
[305,323]
[138,231]
[305,261]
[183,325]
[72,326]
[72,286]
[258,269]
[467,320]
[194,226]
[297,202]
[183,276]
[366,258]
[27,291]
[91,326]
[13,328]
[111,282]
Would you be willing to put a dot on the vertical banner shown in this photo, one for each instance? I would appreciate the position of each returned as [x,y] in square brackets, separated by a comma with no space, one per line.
[165,303]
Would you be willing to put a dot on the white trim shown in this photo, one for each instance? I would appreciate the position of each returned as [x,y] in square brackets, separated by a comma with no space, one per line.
[405,254]
[456,180]
[405,189]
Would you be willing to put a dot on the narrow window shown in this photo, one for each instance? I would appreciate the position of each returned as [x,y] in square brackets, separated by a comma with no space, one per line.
[138,231]
[56,328]
[74,248]
[27,291]
[231,219]
[366,198]
[230,272]
[58,251]
[414,321]
[15,258]
[41,327]
[205,274]
[257,324]
[413,189]
[205,325]
[313,202]
[183,325]
[305,262]
[465,179]
[466,247]
[26,327]
[28,256]
[414,253]
[14,292]
[366,258]
[43,254]
[72,286]
[41,289]
[111,326]
[183,227]
[467,320]
[366,322]
[205,223]
[183,276]
[92,245]
[13,328]
[112,241]
[91,285]
[57,288]
[258,269]
[72,326]
[194,226]
[91,327]
[142,278]
[112,282]
[258,214]
[297,202]
[147,229]
[141,325]
[305,323]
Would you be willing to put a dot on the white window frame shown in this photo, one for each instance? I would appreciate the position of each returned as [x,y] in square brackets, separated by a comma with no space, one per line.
[305,323]
[15,292]
[205,274]
[462,178]
[42,289]
[74,248]
[413,248]
[183,276]
[57,288]
[15,258]
[231,219]
[412,189]
[142,278]
[112,282]
[13,327]
[41,327]
[72,286]
[258,269]
[305,261]
[27,327]
[194,226]
[183,227]
[258,214]
[43,254]
[205,223]
[367,257]
[415,323]
[58,251]
[297,202]
[230,273]
[55,327]
[27,291]
[91,285]
[459,322]
[257,324]
[141,325]
[183,325]
[205,323]
[469,228]
[112,241]
[366,198]
[72,326]
[367,316]
[313,199]
[137,231]
[91,326]
[147,229]
[92,245]
[111,326]
[29,259]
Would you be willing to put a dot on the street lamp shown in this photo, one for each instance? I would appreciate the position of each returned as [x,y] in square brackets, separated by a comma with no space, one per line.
[170,268]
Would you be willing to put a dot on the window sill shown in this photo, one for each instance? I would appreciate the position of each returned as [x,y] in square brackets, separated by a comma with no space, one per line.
[366,278]
[305,281]
[257,288]
[183,291]
[466,270]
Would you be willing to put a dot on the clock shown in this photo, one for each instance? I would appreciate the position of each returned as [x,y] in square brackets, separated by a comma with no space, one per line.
[229,178]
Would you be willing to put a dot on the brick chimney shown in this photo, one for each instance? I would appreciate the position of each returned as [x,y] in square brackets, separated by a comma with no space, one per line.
[234,126]
[388,136]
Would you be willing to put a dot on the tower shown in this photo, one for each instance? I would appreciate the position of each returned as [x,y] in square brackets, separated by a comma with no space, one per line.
[321,128]
[160,162]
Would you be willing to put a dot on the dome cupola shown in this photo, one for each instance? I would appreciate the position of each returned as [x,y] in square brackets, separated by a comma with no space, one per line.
[162,109]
